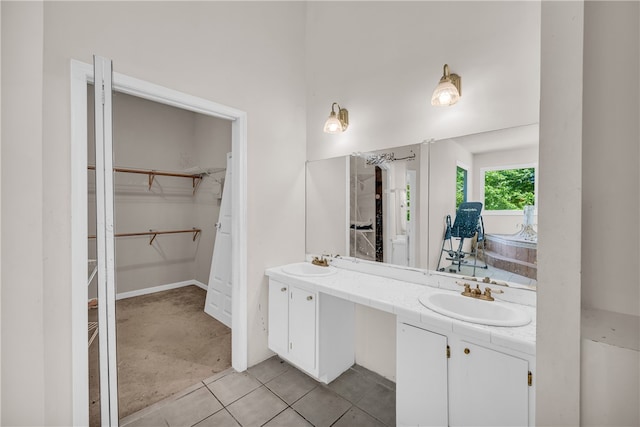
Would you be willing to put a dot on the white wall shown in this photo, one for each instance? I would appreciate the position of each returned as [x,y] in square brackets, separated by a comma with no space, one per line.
[0,214]
[610,210]
[558,292]
[388,58]
[23,295]
[610,153]
[372,352]
[609,389]
[246,55]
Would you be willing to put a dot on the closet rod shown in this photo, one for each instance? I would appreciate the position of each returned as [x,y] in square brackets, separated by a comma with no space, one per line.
[195,232]
[196,177]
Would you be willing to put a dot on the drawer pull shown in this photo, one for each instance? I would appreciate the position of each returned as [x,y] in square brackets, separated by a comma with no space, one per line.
[283,289]
[309,298]
[467,351]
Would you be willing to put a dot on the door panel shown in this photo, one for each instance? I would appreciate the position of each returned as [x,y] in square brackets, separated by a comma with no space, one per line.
[218,303]
[102,71]
[302,328]
[421,375]
[278,336]
[491,387]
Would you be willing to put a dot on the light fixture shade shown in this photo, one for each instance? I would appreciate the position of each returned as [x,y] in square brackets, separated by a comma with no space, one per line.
[337,122]
[448,90]
[445,94]
[333,125]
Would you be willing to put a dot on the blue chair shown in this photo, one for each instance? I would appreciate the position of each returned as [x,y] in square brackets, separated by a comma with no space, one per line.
[467,225]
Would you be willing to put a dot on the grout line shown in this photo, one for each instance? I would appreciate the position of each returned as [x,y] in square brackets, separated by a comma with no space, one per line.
[302,416]
[345,413]
[269,420]
[159,405]
[230,414]
[215,397]
[298,399]
[217,376]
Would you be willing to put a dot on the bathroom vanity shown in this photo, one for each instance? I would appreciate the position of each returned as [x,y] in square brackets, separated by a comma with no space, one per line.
[448,371]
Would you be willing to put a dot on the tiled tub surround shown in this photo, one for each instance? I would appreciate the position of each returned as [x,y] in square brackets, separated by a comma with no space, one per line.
[400,297]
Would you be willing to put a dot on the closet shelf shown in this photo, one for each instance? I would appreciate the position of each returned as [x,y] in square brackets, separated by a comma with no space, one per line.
[195,177]
[154,234]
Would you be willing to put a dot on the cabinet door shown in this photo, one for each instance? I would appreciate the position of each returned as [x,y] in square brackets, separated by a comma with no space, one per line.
[421,377]
[278,317]
[302,328]
[488,388]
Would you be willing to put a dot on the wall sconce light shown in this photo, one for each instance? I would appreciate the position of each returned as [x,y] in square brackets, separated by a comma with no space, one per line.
[337,122]
[448,90]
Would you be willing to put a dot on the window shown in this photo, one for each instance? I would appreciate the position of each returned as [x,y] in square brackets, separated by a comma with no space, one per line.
[461,185]
[509,189]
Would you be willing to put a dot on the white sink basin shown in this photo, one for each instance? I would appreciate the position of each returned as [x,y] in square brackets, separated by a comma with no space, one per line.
[307,269]
[493,313]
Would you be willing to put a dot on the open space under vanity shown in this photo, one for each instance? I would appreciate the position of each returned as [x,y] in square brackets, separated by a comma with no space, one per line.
[447,371]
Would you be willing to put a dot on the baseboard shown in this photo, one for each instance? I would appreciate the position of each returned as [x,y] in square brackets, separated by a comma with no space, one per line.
[200,284]
[154,289]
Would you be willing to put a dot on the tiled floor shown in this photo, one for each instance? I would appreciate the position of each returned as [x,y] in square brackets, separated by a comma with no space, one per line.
[273,393]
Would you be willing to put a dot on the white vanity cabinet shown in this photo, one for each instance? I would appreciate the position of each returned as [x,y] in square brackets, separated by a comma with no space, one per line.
[443,379]
[311,330]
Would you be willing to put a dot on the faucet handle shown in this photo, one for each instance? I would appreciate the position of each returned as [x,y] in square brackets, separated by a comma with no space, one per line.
[488,291]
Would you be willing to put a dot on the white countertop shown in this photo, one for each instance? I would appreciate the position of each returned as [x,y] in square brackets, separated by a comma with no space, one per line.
[401,298]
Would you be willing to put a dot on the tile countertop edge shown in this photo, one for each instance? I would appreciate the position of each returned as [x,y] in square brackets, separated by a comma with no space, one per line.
[520,339]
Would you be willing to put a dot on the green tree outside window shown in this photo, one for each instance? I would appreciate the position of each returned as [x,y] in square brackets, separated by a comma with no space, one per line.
[461,186]
[509,189]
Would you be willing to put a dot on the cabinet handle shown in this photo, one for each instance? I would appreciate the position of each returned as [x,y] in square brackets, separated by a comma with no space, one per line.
[467,351]
[283,289]
[309,298]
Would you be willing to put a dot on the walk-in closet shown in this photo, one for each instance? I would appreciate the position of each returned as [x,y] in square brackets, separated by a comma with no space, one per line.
[170,185]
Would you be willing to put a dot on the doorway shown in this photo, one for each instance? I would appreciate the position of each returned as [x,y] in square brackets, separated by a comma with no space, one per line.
[81,75]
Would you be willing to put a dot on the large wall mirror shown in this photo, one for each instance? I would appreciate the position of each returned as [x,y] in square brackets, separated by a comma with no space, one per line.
[403,205]
[483,205]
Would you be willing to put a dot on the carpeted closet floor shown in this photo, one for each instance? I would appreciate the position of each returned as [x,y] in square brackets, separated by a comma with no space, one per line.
[166,343]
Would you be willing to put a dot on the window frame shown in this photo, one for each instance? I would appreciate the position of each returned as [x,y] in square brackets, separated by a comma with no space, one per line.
[468,178]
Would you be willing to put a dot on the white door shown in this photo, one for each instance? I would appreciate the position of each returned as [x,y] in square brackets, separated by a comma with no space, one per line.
[488,388]
[421,377]
[102,71]
[218,303]
[278,336]
[302,328]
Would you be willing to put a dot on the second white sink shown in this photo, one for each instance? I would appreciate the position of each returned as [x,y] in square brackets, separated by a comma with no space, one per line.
[493,313]
[307,269]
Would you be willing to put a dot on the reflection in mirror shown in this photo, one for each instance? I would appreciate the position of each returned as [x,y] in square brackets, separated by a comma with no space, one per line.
[385,205]
[327,199]
[499,170]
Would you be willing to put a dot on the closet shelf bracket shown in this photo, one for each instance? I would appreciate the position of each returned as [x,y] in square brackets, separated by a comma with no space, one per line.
[196,183]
